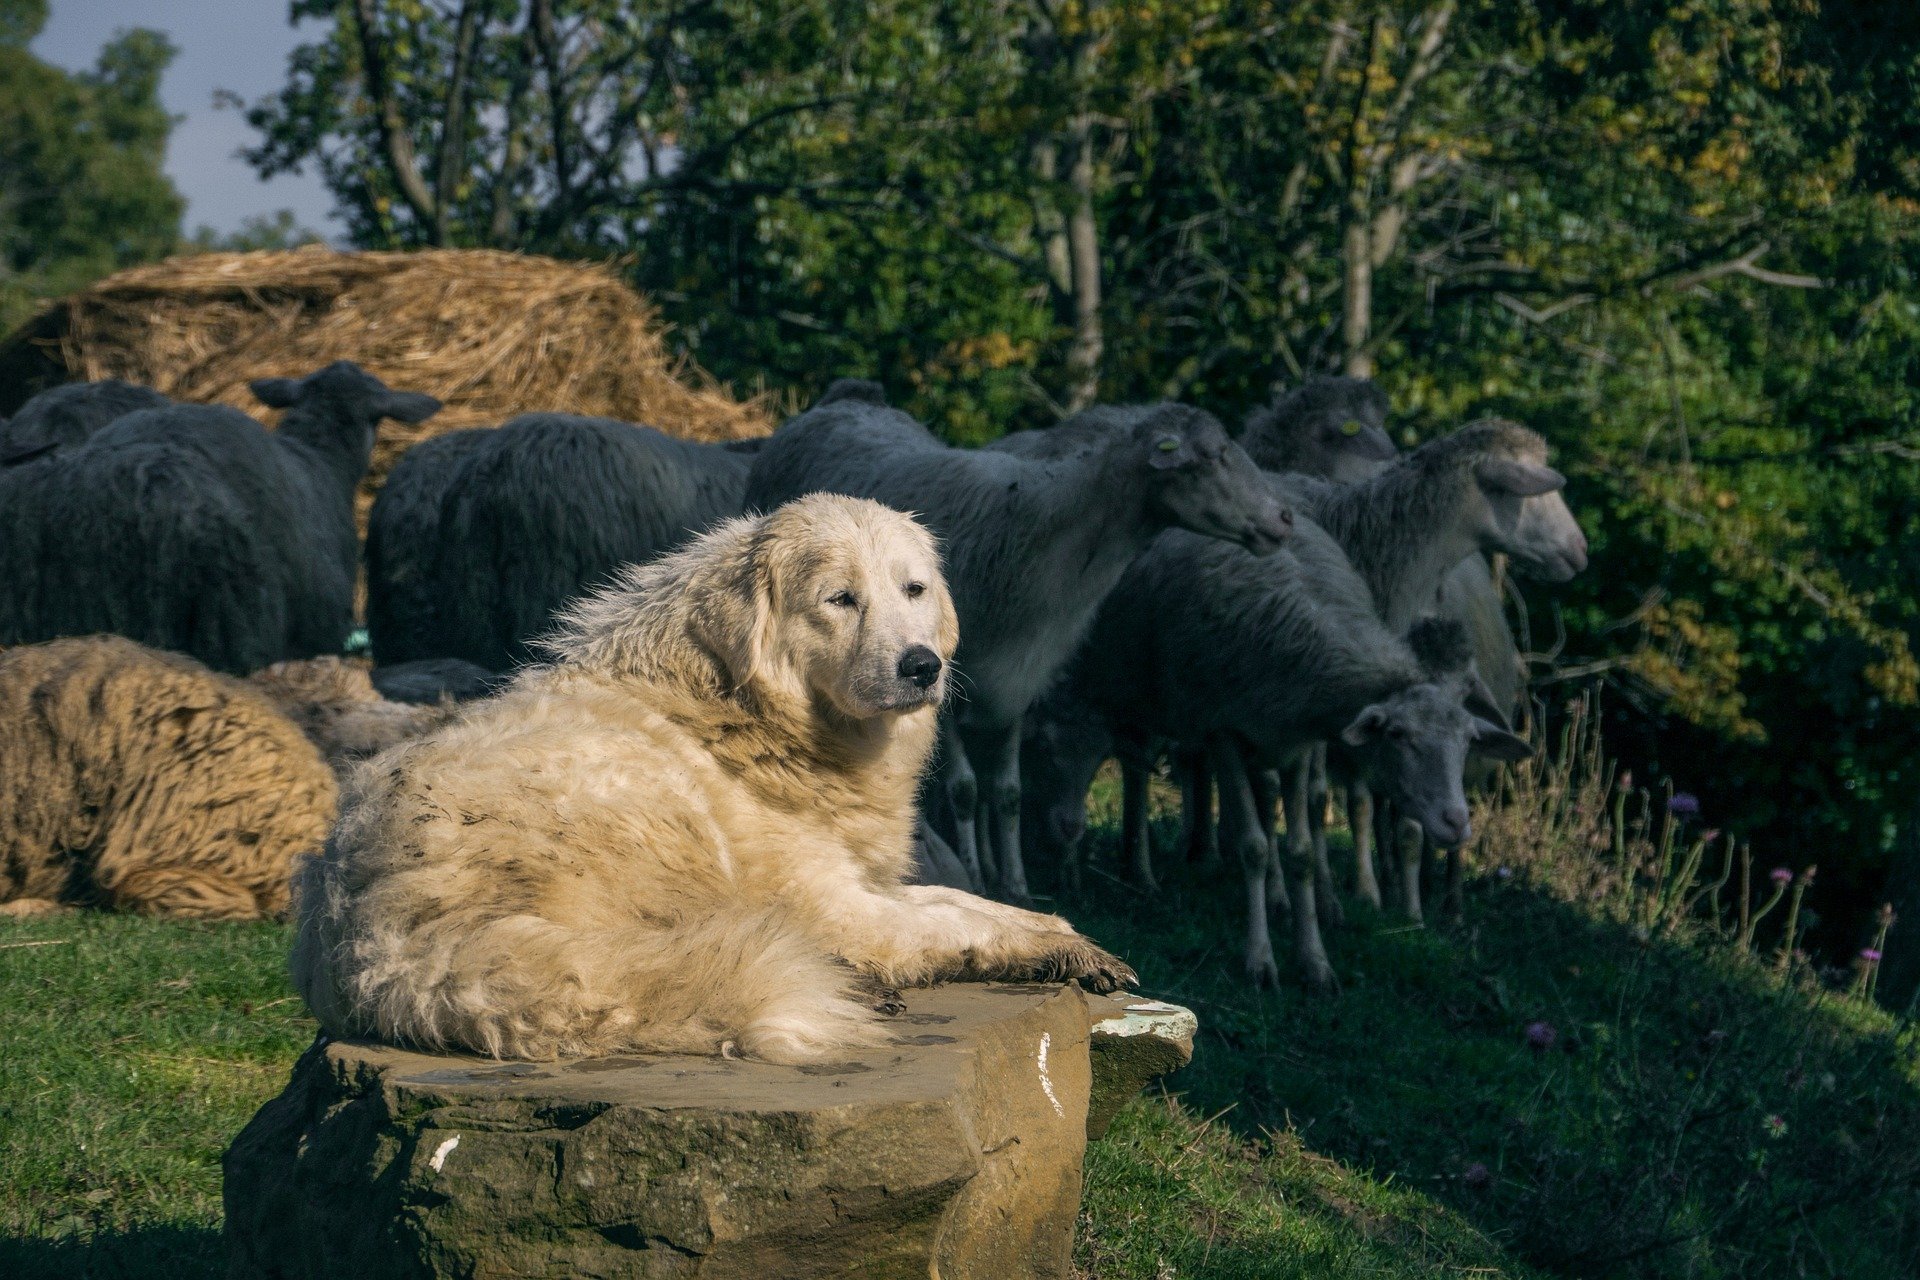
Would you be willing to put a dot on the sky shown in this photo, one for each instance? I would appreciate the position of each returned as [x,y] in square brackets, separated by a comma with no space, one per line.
[236,45]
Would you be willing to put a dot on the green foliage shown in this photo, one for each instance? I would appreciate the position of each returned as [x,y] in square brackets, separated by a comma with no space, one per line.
[280,230]
[81,188]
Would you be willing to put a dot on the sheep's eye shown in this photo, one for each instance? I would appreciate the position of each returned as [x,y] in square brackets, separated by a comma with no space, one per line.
[1167,444]
[915,590]
[844,599]
[1349,428]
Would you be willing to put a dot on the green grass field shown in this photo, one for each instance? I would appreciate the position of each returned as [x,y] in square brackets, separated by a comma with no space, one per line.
[1693,1117]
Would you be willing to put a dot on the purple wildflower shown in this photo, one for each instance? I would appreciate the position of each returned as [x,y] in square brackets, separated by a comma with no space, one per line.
[1775,1126]
[1780,875]
[1477,1175]
[1683,804]
[1870,954]
[1540,1036]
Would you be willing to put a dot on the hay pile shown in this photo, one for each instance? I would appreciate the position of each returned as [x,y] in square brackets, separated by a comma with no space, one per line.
[491,334]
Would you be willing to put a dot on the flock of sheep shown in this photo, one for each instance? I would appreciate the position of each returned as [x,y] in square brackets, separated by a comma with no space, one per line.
[1280,607]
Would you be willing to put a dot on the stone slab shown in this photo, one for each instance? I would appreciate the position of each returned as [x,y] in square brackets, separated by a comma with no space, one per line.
[955,1152]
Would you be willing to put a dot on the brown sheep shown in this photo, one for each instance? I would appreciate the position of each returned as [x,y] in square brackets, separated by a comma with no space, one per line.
[141,781]
[335,704]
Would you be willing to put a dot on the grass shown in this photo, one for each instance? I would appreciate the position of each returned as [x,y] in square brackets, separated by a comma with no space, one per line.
[1696,1115]
[131,1051]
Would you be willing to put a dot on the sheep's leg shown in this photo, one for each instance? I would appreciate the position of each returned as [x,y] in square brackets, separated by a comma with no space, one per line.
[1453,903]
[1136,849]
[997,756]
[1409,841]
[1386,848]
[1308,949]
[1265,784]
[20,908]
[1201,836]
[961,789]
[1328,898]
[1360,821]
[1243,834]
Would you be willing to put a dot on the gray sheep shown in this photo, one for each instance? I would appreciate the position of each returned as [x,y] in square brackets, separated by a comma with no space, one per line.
[69,414]
[477,543]
[1329,427]
[192,528]
[1034,534]
[1259,659]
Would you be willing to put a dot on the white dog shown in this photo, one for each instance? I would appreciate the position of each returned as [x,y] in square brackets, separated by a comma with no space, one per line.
[691,829]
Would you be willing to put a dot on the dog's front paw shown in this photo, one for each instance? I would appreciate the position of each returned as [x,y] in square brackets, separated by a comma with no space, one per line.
[881,998]
[1097,970]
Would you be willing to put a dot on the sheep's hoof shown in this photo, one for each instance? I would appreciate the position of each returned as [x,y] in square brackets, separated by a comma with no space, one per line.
[1320,978]
[1262,972]
[1016,898]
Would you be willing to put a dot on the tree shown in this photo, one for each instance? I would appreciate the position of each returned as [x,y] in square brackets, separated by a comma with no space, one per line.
[81,187]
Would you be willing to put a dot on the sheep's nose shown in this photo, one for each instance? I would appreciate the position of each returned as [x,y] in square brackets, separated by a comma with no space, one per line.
[920,665]
[1457,825]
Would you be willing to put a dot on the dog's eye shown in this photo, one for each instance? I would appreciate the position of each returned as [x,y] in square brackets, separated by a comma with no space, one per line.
[915,590]
[844,599]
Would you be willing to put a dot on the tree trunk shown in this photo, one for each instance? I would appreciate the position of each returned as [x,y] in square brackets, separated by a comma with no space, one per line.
[1083,246]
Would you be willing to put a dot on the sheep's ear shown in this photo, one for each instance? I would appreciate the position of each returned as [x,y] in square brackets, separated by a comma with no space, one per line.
[1522,479]
[1365,727]
[406,406]
[1495,743]
[275,393]
[1169,449]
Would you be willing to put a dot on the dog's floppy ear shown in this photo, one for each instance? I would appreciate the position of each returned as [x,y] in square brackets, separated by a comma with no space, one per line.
[739,611]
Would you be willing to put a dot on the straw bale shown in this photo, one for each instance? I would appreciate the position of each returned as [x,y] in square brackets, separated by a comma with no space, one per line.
[491,334]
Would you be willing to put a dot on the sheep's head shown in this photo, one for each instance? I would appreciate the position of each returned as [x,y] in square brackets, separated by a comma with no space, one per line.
[1199,479]
[340,403]
[1334,428]
[1517,505]
[1414,743]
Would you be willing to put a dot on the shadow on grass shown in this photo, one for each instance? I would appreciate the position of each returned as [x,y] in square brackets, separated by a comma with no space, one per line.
[1690,1115]
[135,1253]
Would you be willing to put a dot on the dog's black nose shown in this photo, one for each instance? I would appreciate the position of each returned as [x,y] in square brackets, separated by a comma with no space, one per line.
[920,665]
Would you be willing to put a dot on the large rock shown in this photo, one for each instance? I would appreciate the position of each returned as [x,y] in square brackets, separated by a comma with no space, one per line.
[955,1152]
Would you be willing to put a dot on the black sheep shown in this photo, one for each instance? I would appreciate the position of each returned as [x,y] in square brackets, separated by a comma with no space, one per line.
[477,542]
[68,415]
[192,528]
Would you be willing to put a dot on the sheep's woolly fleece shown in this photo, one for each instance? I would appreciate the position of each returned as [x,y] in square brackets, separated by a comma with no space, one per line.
[141,781]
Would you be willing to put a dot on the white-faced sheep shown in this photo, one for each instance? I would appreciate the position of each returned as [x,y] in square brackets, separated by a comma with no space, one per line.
[480,538]
[141,781]
[1035,533]
[193,529]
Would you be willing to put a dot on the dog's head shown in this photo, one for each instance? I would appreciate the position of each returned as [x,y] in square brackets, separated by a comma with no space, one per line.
[845,606]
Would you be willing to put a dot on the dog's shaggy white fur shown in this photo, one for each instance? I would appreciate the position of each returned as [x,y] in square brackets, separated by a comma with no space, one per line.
[688,833]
